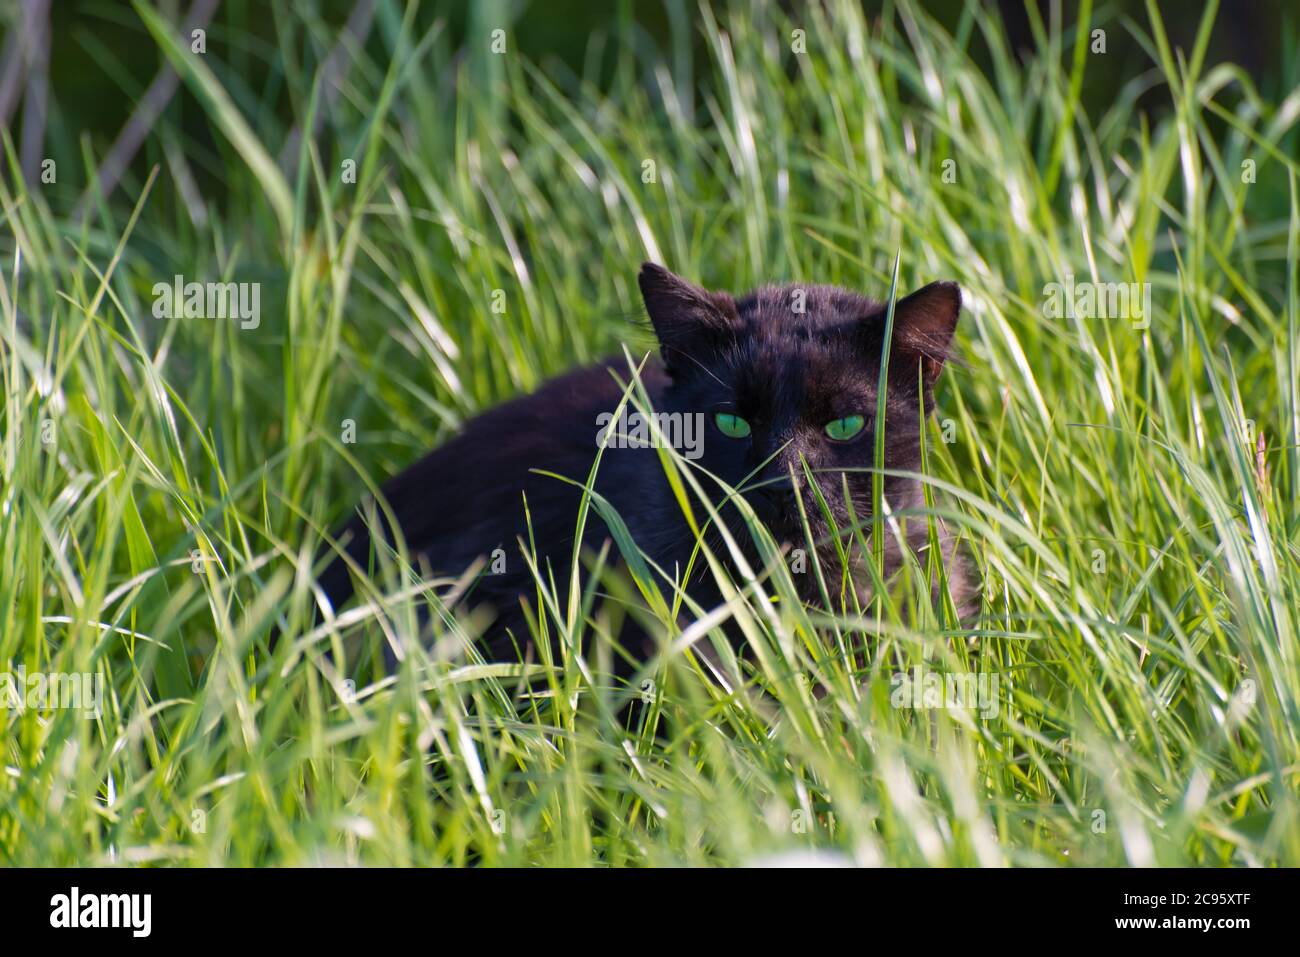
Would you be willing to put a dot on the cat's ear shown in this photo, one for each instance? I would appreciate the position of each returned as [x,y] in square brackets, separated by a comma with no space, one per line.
[923,327]
[687,320]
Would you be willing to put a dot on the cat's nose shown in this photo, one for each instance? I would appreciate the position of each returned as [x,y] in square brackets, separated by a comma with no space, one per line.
[773,498]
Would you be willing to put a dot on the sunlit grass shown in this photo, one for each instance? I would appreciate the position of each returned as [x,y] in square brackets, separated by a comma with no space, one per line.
[167,482]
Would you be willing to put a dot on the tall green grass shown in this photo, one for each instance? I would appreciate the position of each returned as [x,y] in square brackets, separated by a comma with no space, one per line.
[1128,494]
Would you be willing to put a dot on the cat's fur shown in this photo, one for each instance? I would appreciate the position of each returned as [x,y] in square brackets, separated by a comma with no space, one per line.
[786,371]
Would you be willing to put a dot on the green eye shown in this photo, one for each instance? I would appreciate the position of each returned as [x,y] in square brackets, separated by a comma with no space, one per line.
[732,426]
[841,430]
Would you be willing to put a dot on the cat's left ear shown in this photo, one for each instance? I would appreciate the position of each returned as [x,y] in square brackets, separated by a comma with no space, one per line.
[923,327]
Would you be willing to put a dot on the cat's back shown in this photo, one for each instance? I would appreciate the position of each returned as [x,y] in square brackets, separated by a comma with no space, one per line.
[466,497]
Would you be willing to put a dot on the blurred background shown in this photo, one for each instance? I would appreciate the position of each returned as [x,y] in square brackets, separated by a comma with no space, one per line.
[72,72]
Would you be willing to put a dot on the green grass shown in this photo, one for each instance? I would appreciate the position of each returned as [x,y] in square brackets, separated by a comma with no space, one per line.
[166,482]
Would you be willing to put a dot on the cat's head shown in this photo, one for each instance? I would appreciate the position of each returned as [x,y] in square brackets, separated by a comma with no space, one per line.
[789,374]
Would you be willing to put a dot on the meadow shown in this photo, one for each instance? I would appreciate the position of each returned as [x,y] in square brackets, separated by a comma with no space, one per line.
[467,221]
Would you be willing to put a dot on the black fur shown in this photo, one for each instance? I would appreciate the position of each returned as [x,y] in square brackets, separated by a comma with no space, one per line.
[787,371]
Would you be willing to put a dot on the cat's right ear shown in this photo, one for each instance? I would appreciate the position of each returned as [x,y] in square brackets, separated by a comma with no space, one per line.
[687,320]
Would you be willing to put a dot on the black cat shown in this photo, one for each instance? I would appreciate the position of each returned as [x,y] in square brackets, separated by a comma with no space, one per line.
[783,376]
